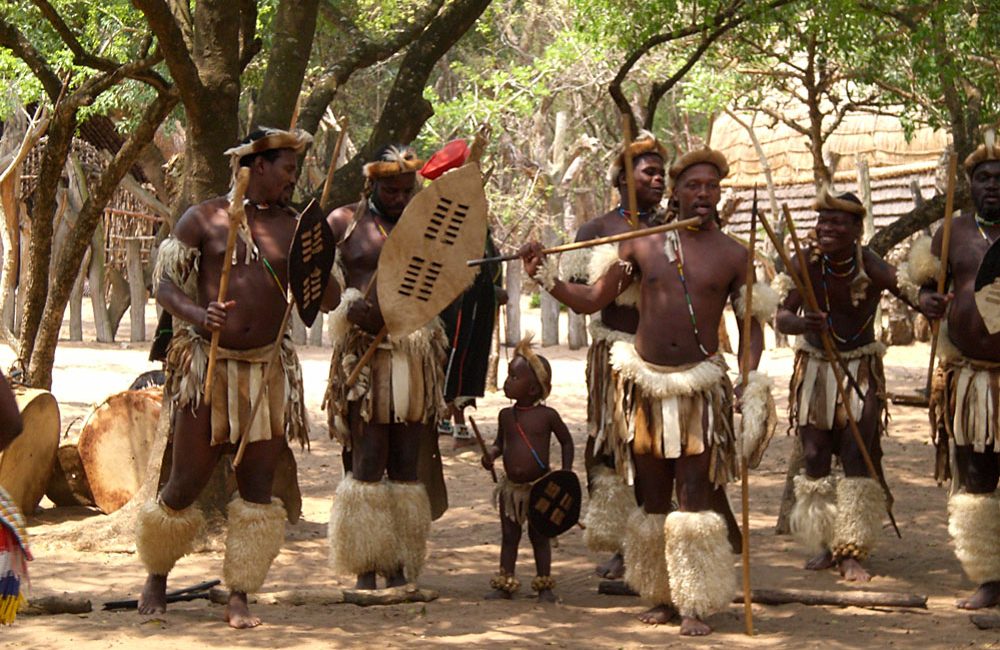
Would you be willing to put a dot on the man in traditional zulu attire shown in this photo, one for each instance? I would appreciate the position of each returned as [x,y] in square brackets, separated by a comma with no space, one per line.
[970,356]
[673,399]
[839,520]
[380,526]
[611,500]
[187,275]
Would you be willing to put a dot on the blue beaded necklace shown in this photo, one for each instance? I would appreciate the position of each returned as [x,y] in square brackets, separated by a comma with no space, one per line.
[825,266]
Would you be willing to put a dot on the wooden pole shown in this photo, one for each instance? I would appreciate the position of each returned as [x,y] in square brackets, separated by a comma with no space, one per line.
[833,358]
[590,243]
[745,363]
[949,207]
[632,215]
[333,161]
[237,215]
[482,445]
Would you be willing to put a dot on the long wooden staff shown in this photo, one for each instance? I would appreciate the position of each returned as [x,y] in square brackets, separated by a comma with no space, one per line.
[590,243]
[482,445]
[237,216]
[333,160]
[745,363]
[633,210]
[831,353]
[949,207]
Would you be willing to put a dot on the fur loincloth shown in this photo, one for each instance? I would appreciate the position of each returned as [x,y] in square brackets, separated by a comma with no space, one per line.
[600,384]
[970,403]
[813,388]
[237,380]
[670,412]
[513,497]
[403,382]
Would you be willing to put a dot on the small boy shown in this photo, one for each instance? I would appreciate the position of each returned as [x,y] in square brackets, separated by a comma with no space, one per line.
[523,440]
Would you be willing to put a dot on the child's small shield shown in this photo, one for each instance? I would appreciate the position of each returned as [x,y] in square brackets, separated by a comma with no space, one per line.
[554,503]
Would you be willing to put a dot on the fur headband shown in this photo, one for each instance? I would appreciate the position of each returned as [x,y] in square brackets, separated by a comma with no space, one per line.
[697,157]
[393,161]
[983,153]
[644,144]
[827,201]
[524,351]
[296,140]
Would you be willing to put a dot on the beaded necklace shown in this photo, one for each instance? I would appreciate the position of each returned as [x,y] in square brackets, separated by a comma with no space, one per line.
[829,264]
[376,213]
[979,225]
[687,297]
[826,303]
[628,214]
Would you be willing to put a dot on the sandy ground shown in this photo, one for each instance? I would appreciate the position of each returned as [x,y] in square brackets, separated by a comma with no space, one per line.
[464,546]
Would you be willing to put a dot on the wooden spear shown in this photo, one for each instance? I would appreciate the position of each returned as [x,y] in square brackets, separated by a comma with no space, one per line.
[745,363]
[632,216]
[949,207]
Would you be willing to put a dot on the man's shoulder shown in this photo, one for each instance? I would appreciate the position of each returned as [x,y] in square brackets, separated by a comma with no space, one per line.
[340,218]
[596,227]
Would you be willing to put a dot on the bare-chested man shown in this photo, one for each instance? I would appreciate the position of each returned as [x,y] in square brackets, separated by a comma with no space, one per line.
[188,271]
[611,500]
[970,356]
[379,526]
[839,520]
[673,395]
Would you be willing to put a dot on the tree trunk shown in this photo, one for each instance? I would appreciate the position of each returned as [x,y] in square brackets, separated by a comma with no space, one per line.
[513,306]
[577,334]
[137,291]
[917,219]
[292,31]
[316,331]
[76,301]
[98,288]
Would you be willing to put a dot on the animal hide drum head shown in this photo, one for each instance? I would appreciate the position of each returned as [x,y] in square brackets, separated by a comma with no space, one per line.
[988,288]
[554,503]
[422,269]
[310,260]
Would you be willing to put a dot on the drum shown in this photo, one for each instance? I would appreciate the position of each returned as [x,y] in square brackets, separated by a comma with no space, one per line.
[26,464]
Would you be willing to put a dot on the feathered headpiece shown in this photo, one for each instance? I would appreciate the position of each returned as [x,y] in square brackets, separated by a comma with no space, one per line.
[697,157]
[642,145]
[393,160]
[524,351]
[984,152]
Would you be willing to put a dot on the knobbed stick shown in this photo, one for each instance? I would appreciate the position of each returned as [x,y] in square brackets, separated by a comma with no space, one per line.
[482,445]
[590,243]
[949,207]
[744,380]
[237,215]
[836,598]
[832,358]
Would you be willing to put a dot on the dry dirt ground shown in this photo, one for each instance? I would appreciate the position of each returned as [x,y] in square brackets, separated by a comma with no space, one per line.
[463,550]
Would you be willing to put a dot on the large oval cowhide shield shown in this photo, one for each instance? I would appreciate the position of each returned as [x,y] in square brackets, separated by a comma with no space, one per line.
[988,288]
[422,268]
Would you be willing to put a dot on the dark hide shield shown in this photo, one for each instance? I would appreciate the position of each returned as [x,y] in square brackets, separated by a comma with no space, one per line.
[554,503]
[988,288]
[310,261]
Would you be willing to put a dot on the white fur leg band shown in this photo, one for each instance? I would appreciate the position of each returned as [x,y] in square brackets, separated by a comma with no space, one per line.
[700,563]
[921,267]
[645,560]
[164,535]
[814,513]
[974,525]
[760,418]
[611,503]
[362,529]
[858,525]
[411,510]
[256,533]
[782,285]
[764,302]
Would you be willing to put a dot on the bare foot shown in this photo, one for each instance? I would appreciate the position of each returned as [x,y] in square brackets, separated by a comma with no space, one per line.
[547,596]
[365,581]
[691,626]
[153,599]
[852,571]
[498,594]
[659,615]
[988,595]
[395,580]
[822,561]
[613,569]
[238,612]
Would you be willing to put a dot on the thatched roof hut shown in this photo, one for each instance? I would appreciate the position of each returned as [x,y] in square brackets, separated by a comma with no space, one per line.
[895,162]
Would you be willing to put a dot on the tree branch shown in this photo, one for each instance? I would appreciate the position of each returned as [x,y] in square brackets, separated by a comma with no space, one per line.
[172,44]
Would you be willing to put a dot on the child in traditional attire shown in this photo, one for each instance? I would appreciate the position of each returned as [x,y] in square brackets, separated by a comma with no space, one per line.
[523,438]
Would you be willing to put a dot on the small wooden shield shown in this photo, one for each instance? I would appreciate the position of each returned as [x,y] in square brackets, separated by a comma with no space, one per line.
[988,288]
[310,261]
[421,268]
[554,503]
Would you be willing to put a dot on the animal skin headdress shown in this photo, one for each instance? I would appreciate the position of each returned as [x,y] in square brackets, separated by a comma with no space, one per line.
[984,152]
[524,351]
[852,205]
[265,139]
[393,160]
[642,145]
[696,157]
